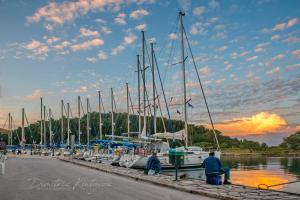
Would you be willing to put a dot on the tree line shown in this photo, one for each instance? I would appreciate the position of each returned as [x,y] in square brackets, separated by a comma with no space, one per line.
[198,135]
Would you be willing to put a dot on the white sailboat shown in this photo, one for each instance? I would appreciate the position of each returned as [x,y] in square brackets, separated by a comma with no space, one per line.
[194,156]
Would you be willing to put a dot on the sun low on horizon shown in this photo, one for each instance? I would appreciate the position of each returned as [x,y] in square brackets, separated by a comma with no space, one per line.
[247,54]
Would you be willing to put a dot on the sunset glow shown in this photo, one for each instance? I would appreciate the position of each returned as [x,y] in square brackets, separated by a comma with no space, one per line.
[258,124]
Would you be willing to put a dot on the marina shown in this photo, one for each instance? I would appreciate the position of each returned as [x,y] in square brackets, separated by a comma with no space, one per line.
[133,102]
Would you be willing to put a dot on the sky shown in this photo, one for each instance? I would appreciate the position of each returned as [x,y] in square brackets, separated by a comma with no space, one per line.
[247,53]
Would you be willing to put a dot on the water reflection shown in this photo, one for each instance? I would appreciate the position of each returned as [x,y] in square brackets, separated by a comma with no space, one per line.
[255,170]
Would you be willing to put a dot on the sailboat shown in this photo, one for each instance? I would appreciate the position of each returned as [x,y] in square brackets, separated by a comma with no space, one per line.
[194,155]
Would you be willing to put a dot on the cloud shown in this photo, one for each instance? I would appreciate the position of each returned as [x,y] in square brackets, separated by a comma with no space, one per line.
[198,10]
[106,30]
[53,40]
[222,48]
[275,37]
[138,14]
[117,50]
[37,94]
[292,67]
[292,22]
[172,36]
[275,58]
[141,27]
[62,45]
[251,58]
[298,128]
[33,44]
[102,55]
[91,59]
[296,53]
[37,48]
[259,49]
[129,39]
[101,21]
[120,19]
[258,124]
[54,13]
[221,80]
[292,40]
[213,4]
[204,70]
[274,70]
[84,32]
[87,44]
[283,26]
[81,89]
[198,29]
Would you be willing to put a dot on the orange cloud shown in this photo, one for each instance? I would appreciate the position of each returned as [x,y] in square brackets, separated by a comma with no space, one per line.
[258,124]
[298,128]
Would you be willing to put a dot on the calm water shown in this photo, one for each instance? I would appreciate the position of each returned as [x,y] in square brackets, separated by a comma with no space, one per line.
[252,171]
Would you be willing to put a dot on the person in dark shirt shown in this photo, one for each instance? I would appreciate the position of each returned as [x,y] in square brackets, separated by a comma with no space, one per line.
[213,167]
[153,163]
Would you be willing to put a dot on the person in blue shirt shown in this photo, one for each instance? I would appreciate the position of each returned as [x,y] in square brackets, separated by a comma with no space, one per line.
[153,164]
[213,167]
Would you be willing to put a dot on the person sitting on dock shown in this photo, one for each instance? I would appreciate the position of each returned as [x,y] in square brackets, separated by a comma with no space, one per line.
[213,167]
[153,165]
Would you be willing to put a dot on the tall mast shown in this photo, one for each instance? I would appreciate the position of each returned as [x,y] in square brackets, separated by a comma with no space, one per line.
[41,142]
[144,81]
[112,115]
[88,122]
[78,119]
[9,128]
[11,131]
[45,125]
[181,14]
[100,120]
[153,87]
[128,115]
[50,127]
[68,123]
[23,131]
[62,122]
[139,92]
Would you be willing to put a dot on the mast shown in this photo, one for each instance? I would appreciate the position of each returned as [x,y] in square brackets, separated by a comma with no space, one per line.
[88,122]
[11,131]
[45,126]
[62,122]
[128,115]
[23,130]
[144,81]
[68,123]
[181,14]
[153,87]
[139,92]
[9,128]
[112,114]
[100,120]
[50,127]
[78,119]
[41,142]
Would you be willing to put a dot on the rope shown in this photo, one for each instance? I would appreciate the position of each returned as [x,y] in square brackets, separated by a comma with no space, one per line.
[130,102]
[162,87]
[28,126]
[269,186]
[17,132]
[202,90]
[5,122]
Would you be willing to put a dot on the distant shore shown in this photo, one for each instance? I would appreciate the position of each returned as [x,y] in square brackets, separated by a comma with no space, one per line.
[270,154]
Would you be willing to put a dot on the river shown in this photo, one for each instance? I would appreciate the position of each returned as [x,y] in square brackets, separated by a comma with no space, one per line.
[255,170]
